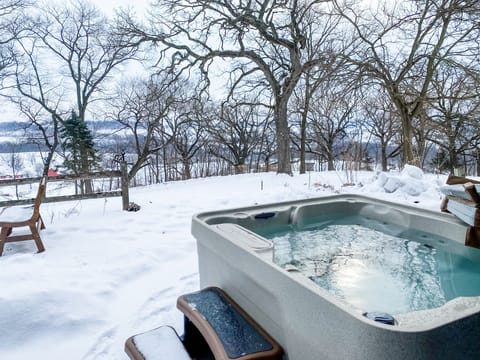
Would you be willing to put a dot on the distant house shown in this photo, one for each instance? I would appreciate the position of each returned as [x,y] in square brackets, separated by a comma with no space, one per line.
[52,173]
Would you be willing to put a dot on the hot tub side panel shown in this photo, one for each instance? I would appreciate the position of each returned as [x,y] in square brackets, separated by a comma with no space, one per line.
[308,322]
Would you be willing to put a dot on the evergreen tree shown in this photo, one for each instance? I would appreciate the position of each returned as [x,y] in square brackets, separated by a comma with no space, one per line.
[78,147]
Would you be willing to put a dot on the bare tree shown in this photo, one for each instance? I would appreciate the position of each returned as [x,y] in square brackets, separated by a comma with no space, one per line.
[331,114]
[67,53]
[9,15]
[399,47]
[14,161]
[322,32]
[141,108]
[381,120]
[454,114]
[186,129]
[235,132]
[264,40]
[42,129]
[86,47]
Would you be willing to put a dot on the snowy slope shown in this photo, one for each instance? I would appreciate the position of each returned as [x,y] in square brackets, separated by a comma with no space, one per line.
[108,274]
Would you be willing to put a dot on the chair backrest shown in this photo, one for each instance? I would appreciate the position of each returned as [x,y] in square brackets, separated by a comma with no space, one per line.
[38,199]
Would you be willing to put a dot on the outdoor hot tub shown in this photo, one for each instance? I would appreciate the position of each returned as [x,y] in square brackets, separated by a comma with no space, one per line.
[411,291]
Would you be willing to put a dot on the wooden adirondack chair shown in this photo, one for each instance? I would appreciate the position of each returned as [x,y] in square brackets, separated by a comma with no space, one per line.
[23,216]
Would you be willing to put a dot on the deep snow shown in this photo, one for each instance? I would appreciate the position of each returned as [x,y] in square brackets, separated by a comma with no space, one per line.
[107,274]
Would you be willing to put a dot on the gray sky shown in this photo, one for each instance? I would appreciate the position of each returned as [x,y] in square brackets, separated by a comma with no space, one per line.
[108,6]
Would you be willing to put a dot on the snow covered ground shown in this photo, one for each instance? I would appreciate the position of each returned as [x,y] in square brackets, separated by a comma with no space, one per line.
[107,274]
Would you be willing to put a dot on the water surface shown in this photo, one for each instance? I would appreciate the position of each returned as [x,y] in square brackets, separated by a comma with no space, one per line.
[376,266]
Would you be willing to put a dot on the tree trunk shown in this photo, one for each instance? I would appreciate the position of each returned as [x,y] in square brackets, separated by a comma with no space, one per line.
[452,155]
[303,138]
[329,155]
[384,156]
[330,163]
[478,161]
[303,123]
[187,175]
[48,159]
[283,136]
[453,161]
[407,135]
[407,131]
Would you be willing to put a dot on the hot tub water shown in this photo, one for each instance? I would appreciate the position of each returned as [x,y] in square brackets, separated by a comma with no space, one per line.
[377,266]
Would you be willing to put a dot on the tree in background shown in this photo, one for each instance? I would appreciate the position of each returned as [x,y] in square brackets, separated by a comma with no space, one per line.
[236,133]
[331,114]
[400,47]
[141,108]
[9,13]
[263,41]
[186,129]
[14,161]
[453,115]
[79,151]
[64,56]
[381,121]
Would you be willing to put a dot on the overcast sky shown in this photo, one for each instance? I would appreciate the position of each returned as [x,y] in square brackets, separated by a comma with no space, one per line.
[108,6]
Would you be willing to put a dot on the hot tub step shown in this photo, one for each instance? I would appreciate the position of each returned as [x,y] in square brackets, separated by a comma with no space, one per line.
[229,331]
[216,328]
[161,343]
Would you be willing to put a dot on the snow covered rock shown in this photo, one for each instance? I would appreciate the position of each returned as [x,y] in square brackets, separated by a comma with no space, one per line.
[392,184]
[412,171]
[414,187]
[382,179]
[410,181]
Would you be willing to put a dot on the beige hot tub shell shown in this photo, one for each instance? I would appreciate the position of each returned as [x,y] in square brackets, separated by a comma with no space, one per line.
[307,321]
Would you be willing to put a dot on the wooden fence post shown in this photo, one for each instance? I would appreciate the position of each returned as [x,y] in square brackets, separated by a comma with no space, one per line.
[124,185]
